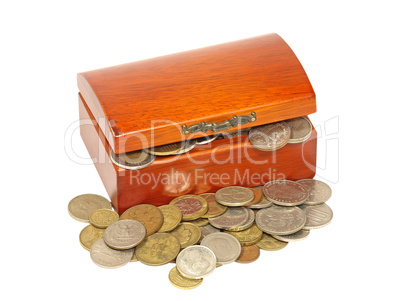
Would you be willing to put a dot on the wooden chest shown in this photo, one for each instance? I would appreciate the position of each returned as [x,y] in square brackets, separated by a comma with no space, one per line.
[184,96]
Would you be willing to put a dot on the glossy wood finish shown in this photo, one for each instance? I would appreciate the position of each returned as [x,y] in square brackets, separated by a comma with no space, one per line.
[212,84]
[204,169]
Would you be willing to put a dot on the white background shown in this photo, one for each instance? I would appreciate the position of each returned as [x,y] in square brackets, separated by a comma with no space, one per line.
[351,51]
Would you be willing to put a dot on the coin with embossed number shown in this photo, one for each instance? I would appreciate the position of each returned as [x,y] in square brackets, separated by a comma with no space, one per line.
[269,243]
[196,262]
[298,236]
[171,217]
[124,234]
[132,160]
[280,220]
[106,257]
[191,206]
[158,249]
[89,235]
[179,281]
[300,129]
[319,192]
[318,216]
[150,216]
[248,254]
[234,196]
[187,234]
[101,218]
[269,137]
[81,207]
[225,247]
[285,193]
[172,149]
[214,208]
[233,217]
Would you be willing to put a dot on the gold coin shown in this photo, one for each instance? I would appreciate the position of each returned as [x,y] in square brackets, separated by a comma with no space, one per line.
[214,208]
[171,217]
[268,243]
[191,206]
[179,281]
[188,234]
[89,235]
[83,205]
[102,218]
[158,249]
[150,216]
[200,222]
[248,254]
[247,237]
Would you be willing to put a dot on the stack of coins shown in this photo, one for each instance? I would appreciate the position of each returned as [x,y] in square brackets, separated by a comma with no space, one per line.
[201,232]
[268,137]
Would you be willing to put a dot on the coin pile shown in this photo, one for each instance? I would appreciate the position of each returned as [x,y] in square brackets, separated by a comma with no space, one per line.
[201,232]
[268,137]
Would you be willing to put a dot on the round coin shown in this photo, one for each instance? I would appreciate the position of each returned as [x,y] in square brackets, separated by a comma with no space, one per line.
[214,208]
[247,237]
[257,196]
[101,218]
[89,235]
[191,206]
[171,217]
[233,217]
[225,247]
[150,216]
[132,160]
[285,193]
[158,249]
[81,207]
[300,129]
[206,230]
[318,216]
[172,149]
[124,234]
[199,222]
[280,220]
[264,203]
[179,281]
[196,262]
[319,192]
[234,196]
[106,257]
[248,254]
[268,243]
[269,137]
[298,236]
[187,234]
[247,224]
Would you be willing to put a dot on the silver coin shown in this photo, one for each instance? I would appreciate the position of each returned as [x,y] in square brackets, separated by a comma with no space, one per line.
[124,234]
[318,216]
[300,129]
[285,193]
[225,247]
[172,149]
[298,236]
[264,203]
[132,160]
[196,262]
[319,192]
[234,196]
[269,137]
[233,217]
[206,230]
[280,220]
[109,258]
[205,139]
[247,224]
[81,207]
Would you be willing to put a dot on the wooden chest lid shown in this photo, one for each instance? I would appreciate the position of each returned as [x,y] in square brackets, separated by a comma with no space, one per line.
[147,103]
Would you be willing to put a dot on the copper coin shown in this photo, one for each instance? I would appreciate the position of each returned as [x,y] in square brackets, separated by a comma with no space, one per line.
[285,193]
[150,216]
[300,129]
[248,254]
[269,137]
[319,192]
[191,206]
[257,196]
[233,217]
[234,196]
[264,203]
[214,208]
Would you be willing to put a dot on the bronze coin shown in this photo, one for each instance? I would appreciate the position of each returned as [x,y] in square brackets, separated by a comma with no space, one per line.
[150,216]
[248,254]
[257,196]
[214,208]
